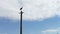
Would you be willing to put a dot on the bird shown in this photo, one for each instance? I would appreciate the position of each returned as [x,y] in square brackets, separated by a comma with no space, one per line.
[21,8]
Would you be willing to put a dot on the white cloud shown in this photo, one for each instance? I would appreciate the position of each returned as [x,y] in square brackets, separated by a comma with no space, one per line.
[51,31]
[33,9]
[40,9]
[9,8]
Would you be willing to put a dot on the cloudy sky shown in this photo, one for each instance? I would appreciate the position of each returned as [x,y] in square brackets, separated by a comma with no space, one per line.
[40,16]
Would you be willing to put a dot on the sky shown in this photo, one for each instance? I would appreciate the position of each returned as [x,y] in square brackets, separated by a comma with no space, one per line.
[39,17]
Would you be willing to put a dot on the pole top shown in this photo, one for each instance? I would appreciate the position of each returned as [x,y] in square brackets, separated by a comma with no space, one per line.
[21,12]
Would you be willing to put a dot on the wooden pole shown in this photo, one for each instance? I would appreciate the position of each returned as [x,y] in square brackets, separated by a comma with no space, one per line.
[21,23]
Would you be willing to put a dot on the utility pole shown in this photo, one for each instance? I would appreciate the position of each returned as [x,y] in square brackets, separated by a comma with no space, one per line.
[57,33]
[21,20]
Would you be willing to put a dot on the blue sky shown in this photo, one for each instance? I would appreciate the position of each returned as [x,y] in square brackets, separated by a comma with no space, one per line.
[8,26]
[40,16]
